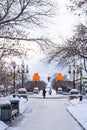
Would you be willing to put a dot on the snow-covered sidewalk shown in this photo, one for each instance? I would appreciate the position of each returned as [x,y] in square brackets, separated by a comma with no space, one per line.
[78,109]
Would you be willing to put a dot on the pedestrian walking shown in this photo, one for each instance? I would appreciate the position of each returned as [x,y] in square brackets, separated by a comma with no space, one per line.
[50,91]
[44,93]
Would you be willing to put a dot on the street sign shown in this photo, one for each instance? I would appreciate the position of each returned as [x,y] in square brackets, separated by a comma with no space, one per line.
[82,77]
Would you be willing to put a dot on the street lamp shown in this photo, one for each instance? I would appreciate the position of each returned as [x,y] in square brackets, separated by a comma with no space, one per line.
[72,72]
[77,70]
[80,81]
[22,69]
[14,66]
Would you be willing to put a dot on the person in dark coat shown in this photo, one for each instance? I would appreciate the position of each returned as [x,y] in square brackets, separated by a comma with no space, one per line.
[44,93]
[50,91]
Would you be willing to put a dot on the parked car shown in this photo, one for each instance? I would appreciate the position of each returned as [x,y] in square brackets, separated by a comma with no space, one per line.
[74,91]
[60,90]
[36,90]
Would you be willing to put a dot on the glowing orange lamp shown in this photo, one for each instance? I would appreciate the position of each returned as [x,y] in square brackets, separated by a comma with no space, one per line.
[36,76]
[59,77]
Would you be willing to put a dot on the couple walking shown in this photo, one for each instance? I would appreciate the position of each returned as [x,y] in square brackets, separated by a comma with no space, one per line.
[44,92]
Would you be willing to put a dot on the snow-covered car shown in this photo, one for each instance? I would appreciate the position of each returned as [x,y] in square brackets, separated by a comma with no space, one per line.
[74,91]
[36,90]
[60,90]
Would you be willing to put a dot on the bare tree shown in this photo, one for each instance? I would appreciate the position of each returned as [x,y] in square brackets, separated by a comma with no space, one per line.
[72,49]
[17,18]
[78,7]
[5,75]
[16,15]
[10,48]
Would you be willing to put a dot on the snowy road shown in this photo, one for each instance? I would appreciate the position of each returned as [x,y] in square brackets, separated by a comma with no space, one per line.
[47,114]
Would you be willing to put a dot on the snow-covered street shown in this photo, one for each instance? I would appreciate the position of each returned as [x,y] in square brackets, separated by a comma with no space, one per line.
[46,114]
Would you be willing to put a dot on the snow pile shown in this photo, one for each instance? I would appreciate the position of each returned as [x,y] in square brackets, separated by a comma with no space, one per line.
[23,105]
[3,126]
[22,89]
[79,109]
[4,101]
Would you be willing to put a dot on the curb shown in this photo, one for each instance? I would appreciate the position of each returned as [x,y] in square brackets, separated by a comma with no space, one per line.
[76,119]
[37,97]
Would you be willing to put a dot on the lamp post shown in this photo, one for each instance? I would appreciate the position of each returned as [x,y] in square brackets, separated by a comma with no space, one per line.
[14,66]
[36,78]
[22,70]
[72,72]
[74,76]
[80,81]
